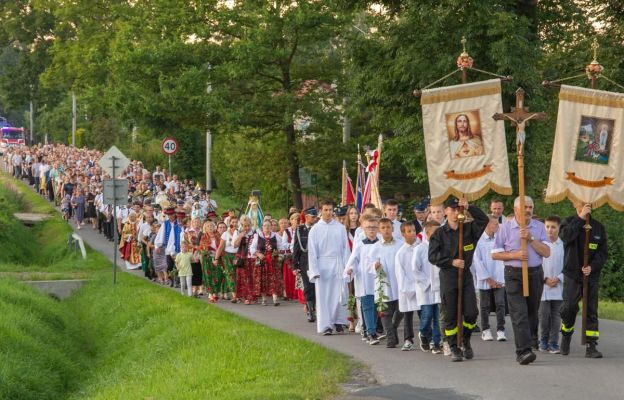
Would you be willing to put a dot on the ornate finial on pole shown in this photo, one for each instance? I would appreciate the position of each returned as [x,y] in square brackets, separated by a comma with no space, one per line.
[464,61]
[594,69]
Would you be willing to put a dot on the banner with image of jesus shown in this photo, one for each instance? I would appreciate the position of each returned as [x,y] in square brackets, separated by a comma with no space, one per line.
[587,153]
[465,148]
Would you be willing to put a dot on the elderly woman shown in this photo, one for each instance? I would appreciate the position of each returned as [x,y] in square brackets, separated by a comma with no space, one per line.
[78,202]
[267,274]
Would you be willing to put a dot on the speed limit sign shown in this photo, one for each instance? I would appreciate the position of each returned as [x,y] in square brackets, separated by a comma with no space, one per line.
[169,146]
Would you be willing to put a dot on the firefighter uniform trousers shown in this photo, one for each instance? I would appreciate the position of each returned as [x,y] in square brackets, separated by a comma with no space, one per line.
[572,294]
[448,293]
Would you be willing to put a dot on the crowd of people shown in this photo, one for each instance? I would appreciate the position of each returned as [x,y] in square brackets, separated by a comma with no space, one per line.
[365,272]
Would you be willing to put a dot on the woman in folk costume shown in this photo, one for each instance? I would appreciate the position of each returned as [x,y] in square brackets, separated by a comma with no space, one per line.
[254,212]
[128,246]
[295,219]
[212,271]
[192,236]
[267,275]
[244,261]
[284,239]
[226,254]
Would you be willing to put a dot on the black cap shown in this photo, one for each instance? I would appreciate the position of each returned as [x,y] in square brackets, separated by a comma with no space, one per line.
[311,211]
[451,202]
[340,211]
[420,207]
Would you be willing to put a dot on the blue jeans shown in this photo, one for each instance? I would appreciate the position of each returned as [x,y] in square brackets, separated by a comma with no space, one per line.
[369,313]
[430,322]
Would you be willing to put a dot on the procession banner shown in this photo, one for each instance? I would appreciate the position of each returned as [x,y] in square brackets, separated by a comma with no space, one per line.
[587,153]
[465,148]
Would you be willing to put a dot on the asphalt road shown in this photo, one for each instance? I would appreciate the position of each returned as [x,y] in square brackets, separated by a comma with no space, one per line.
[492,375]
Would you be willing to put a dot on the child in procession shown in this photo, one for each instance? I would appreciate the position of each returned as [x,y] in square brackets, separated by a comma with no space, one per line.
[552,296]
[406,280]
[183,266]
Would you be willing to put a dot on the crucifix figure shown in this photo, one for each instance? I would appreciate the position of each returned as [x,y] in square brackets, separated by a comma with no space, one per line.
[519,116]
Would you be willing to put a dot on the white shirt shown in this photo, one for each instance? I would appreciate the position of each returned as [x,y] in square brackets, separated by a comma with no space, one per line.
[363,279]
[385,253]
[326,240]
[553,268]
[427,277]
[282,240]
[483,264]
[404,270]
[229,238]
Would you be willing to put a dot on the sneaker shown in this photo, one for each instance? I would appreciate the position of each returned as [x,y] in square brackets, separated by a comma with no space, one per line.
[373,340]
[382,336]
[486,335]
[500,336]
[364,336]
[339,328]
[554,348]
[327,332]
[526,358]
[446,349]
[407,346]
[436,349]
[543,346]
[424,343]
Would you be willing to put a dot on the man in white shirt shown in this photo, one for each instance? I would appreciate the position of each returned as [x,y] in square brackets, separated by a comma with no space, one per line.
[328,253]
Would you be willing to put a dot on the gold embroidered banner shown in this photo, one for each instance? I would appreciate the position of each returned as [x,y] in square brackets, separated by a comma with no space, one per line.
[587,152]
[465,148]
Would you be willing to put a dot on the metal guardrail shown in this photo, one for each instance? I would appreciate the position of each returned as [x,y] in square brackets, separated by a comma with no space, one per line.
[75,243]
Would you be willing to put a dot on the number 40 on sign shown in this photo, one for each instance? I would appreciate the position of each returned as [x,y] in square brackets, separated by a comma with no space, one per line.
[169,146]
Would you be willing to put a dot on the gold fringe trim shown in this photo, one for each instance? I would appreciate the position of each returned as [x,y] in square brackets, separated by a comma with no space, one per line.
[468,175]
[432,98]
[579,98]
[599,202]
[505,191]
[587,183]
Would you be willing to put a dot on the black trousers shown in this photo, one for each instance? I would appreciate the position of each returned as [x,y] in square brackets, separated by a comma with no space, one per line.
[391,320]
[309,291]
[408,326]
[524,310]
[448,292]
[572,294]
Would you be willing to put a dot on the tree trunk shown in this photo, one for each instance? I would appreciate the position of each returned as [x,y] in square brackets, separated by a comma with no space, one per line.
[293,164]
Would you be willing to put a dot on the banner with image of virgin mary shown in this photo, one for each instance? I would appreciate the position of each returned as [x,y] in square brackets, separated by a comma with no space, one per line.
[465,147]
[587,160]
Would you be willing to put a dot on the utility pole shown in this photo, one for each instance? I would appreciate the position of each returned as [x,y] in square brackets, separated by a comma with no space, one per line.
[32,122]
[73,119]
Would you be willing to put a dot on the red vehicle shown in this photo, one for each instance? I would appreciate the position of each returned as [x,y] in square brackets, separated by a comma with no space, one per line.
[11,136]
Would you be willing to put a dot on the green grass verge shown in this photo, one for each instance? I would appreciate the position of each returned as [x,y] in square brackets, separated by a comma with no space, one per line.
[150,342]
[611,310]
[39,351]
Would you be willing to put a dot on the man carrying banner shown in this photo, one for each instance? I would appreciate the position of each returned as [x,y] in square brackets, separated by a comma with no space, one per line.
[507,248]
[572,234]
[443,252]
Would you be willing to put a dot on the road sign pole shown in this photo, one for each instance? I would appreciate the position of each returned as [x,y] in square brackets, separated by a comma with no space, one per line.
[170,165]
[115,233]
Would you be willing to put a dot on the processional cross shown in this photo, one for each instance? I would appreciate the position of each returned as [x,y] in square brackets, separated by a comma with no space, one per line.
[519,116]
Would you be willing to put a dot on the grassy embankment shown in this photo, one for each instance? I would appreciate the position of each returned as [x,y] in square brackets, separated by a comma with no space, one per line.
[135,340]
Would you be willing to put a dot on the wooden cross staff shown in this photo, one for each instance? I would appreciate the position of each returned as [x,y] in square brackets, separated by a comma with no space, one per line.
[519,116]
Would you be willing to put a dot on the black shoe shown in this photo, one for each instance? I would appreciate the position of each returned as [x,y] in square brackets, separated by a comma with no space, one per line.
[526,358]
[424,342]
[565,345]
[327,332]
[468,353]
[591,351]
[391,345]
[456,355]
[339,328]
[476,329]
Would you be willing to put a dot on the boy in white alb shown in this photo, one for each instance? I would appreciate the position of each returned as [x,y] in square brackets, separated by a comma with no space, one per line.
[552,296]
[490,280]
[408,301]
[363,279]
[386,286]
[428,293]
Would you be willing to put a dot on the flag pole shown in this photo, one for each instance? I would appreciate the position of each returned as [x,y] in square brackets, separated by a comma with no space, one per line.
[344,183]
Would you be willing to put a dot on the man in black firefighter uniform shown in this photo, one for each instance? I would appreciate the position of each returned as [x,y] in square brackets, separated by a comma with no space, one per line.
[300,259]
[444,253]
[572,234]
